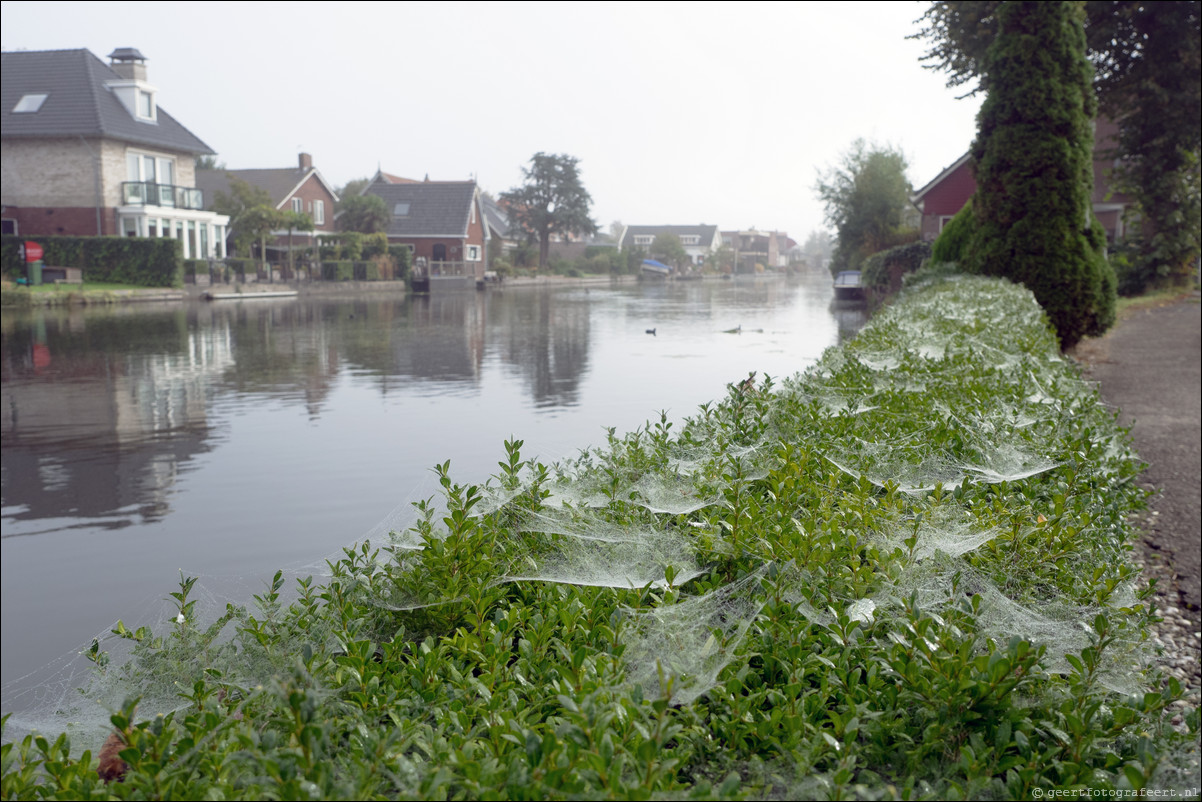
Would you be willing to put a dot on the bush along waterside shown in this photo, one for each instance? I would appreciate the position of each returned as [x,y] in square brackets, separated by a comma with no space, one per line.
[901,574]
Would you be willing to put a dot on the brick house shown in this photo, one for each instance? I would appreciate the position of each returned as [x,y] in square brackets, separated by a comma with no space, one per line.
[443,225]
[946,194]
[300,189]
[88,151]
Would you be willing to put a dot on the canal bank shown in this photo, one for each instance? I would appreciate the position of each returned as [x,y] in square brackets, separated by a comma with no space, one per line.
[889,557]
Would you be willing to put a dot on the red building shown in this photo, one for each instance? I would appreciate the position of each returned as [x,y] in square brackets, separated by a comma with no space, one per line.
[947,193]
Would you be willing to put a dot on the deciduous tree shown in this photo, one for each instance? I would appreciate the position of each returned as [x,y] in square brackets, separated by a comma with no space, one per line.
[668,249]
[866,198]
[237,204]
[367,214]
[551,201]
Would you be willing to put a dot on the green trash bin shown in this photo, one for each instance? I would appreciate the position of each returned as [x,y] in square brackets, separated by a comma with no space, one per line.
[35,273]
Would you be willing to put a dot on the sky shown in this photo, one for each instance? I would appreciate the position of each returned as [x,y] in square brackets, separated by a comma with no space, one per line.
[679,113]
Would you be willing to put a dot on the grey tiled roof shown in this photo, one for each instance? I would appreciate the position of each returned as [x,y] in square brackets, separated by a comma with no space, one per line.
[436,208]
[495,216]
[705,232]
[78,104]
[279,182]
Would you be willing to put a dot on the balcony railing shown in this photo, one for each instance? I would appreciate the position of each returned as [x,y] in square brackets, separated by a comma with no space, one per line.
[142,193]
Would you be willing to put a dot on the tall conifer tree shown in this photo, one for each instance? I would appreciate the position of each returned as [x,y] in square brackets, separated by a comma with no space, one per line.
[1033,211]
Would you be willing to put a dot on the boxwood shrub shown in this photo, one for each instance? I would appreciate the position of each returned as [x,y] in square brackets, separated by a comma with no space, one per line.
[901,574]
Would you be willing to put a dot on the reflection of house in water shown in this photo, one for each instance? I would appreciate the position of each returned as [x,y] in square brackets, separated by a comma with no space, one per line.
[444,338]
[89,434]
[547,340]
[284,348]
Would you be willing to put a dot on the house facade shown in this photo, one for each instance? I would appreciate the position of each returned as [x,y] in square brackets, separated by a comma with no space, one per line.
[698,241]
[946,194]
[769,249]
[88,151]
[300,189]
[443,225]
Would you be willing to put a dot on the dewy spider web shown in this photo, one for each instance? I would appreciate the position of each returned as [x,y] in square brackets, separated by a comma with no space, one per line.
[619,520]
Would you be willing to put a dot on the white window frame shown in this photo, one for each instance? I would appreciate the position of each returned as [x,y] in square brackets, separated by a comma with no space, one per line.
[690,239]
[644,239]
[151,107]
[472,253]
[30,103]
[298,205]
[162,164]
[319,212]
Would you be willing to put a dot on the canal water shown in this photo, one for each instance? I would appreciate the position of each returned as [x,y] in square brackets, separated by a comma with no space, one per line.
[230,439]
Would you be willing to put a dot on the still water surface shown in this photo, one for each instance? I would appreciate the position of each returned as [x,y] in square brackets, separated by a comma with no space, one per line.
[234,438]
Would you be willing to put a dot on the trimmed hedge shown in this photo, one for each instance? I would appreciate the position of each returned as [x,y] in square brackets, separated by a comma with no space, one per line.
[908,257]
[901,575]
[119,260]
[337,271]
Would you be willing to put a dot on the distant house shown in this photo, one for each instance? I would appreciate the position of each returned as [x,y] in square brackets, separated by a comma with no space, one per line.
[503,235]
[300,189]
[769,249]
[946,193]
[699,241]
[88,150]
[441,222]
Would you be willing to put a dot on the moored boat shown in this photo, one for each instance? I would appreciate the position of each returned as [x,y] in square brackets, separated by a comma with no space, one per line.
[848,286]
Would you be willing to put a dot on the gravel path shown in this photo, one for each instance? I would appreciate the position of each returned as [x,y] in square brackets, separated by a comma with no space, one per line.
[1148,367]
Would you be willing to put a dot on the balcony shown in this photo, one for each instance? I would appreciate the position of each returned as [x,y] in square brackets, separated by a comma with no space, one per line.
[141,193]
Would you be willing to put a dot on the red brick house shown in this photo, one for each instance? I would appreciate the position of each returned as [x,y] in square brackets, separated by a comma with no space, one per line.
[947,193]
[300,189]
[443,225]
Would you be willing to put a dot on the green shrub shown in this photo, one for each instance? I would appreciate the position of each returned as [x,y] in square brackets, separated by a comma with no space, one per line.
[374,245]
[903,574]
[338,271]
[907,258]
[402,258]
[140,261]
[952,243]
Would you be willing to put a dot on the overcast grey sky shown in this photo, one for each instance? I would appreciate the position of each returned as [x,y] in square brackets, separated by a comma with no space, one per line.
[682,113]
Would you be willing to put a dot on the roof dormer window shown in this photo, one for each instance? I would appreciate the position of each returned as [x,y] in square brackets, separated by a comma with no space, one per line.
[146,105]
[29,104]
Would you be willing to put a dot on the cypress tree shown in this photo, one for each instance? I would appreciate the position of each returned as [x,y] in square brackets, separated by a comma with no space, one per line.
[1033,214]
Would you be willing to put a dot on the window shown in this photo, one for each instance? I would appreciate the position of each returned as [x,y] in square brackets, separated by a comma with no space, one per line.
[29,104]
[319,212]
[690,239]
[401,210]
[473,253]
[298,205]
[644,239]
[145,105]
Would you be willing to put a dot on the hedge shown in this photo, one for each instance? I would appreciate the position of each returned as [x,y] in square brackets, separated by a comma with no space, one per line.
[120,260]
[903,574]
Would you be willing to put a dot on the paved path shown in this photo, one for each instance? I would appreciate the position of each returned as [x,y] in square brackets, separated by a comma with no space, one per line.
[1149,367]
